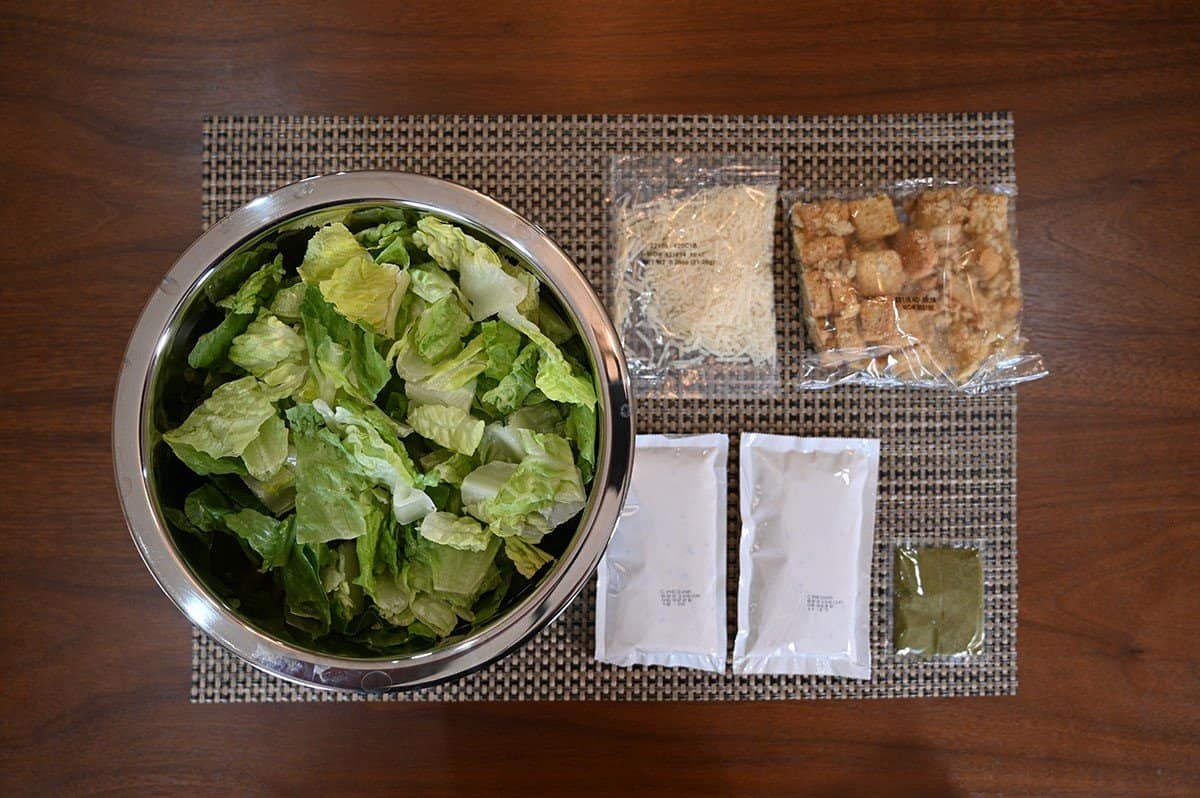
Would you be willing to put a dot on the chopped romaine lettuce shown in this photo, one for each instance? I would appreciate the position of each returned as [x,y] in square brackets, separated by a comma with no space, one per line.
[381,429]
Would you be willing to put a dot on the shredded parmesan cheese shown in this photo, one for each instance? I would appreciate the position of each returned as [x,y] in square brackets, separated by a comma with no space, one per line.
[698,269]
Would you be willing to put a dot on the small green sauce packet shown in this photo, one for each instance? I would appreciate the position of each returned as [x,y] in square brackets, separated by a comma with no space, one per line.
[938,601]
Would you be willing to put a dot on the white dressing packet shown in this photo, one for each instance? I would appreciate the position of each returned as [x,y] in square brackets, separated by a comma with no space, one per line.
[660,590]
[808,528]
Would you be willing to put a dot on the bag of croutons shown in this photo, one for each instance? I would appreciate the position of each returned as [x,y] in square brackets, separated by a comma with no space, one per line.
[915,284]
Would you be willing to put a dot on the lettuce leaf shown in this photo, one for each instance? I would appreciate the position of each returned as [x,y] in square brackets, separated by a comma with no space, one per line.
[257,289]
[454,531]
[225,423]
[340,580]
[562,382]
[212,347]
[270,538]
[502,344]
[266,343]
[487,288]
[543,416]
[510,393]
[265,455]
[581,429]
[286,304]
[362,290]
[542,491]
[425,392]
[317,219]
[367,292]
[460,573]
[278,492]
[527,558]
[236,268]
[380,457]
[306,605]
[460,370]
[445,466]
[440,330]
[451,427]
[342,355]
[328,249]
[553,325]
[334,501]
[432,283]
[275,353]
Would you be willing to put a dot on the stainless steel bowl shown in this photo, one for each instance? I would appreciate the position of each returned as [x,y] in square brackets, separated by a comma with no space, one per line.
[158,343]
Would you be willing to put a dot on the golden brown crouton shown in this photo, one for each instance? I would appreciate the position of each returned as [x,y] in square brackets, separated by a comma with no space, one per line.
[878,273]
[847,334]
[917,253]
[825,250]
[987,214]
[816,289]
[946,237]
[874,217]
[938,207]
[960,290]
[912,323]
[969,350]
[819,219]
[989,263]
[877,318]
[843,296]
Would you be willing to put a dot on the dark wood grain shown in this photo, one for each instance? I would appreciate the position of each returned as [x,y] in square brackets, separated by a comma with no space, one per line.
[100,112]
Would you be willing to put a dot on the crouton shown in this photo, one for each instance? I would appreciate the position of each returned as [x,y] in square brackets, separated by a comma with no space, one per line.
[816,291]
[960,290]
[987,214]
[943,206]
[989,263]
[843,297]
[968,349]
[877,319]
[879,273]
[874,217]
[820,219]
[946,237]
[847,335]
[912,323]
[917,253]
[822,251]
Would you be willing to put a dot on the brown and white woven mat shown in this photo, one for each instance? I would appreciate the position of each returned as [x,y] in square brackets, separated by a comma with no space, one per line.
[949,463]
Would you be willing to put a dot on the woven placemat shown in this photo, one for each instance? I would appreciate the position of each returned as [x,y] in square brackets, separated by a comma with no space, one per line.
[948,470]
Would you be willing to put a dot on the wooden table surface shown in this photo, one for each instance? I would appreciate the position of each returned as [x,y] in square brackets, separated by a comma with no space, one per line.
[100,113]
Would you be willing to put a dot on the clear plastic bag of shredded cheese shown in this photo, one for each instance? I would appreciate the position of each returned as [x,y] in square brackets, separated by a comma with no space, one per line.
[916,283]
[693,288]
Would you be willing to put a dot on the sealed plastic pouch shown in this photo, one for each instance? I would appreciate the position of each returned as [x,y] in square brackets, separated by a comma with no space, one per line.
[808,523]
[660,590]
[938,601]
[693,288]
[916,283]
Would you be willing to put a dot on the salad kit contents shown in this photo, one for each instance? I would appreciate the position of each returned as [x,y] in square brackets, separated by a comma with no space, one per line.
[693,284]
[385,423]
[938,593]
[808,524]
[917,286]
[660,593]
